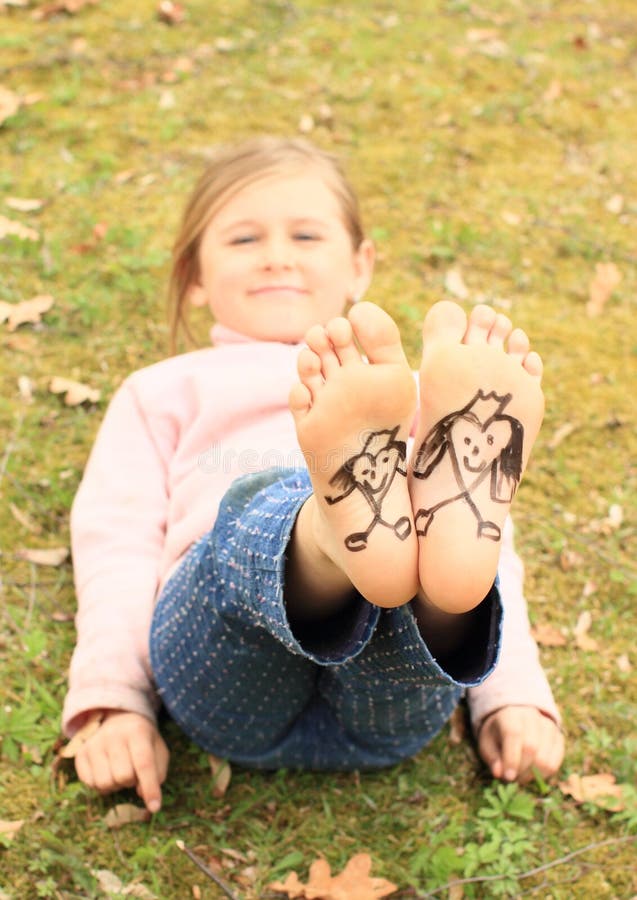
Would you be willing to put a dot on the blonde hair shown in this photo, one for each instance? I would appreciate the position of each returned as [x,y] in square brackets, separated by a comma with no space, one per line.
[231,169]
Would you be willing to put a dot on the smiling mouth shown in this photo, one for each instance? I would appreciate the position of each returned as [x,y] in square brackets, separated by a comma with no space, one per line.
[378,487]
[471,468]
[278,289]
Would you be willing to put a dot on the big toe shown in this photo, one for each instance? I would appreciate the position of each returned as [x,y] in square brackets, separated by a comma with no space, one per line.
[377,333]
[445,321]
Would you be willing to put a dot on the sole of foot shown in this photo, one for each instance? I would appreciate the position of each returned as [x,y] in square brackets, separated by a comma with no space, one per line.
[481,409]
[353,409]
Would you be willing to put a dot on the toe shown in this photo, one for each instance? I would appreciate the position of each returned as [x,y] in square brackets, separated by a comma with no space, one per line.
[481,321]
[309,368]
[377,333]
[340,333]
[533,364]
[300,400]
[500,330]
[318,341]
[445,321]
[519,345]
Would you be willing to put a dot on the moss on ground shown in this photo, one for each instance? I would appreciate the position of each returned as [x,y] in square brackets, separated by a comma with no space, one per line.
[497,139]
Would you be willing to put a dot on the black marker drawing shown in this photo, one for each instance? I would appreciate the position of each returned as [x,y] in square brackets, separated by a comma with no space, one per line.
[479,441]
[371,472]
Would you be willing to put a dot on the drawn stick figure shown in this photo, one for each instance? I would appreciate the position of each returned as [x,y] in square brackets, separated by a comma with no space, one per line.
[372,472]
[479,441]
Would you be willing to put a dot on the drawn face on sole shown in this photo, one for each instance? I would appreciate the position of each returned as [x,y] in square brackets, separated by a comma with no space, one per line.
[476,446]
[374,473]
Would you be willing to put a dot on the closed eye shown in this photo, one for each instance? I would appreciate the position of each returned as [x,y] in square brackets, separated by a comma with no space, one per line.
[306,236]
[243,239]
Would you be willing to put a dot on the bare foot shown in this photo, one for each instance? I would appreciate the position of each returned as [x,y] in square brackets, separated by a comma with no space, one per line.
[481,409]
[352,420]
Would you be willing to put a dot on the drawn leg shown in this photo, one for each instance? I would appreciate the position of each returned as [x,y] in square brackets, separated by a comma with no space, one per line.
[481,409]
[343,405]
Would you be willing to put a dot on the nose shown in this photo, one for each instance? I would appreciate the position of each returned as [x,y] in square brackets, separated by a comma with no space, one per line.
[278,253]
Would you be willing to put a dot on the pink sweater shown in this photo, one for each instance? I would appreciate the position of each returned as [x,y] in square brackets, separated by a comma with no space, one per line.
[166,452]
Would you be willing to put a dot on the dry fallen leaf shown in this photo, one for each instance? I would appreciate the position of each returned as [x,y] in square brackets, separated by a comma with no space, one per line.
[623,663]
[126,814]
[510,217]
[561,434]
[111,884]
[9,104]
[100,230]
[600,789]
[221,775]
[23,204]
[455,285]
[306,123]
[70,7]
[353,883]
[615,204]
[54,556]
[25,388]
[139,891]
[457,726]
[8,830]
[580,632]
[553,91]
[81,736]
[548,636]
[74,392]
[570,559]
[607,277]
[108,881]
[25,520]
[171,13]
[26,311]
[17,229]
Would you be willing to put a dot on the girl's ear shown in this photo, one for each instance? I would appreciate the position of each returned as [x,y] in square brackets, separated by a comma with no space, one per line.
[197,295]
[364,267]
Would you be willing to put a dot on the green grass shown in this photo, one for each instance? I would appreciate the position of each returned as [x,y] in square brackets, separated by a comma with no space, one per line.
[446,137]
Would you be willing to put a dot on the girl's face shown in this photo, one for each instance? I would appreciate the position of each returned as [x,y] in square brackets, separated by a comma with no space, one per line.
[277,258]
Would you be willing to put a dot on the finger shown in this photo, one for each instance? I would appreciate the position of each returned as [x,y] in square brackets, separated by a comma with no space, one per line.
[84,769]
[548,751]
[550,758]
[121,766]
[512,746]
[103,780]
[147,775]
[489,747]
[162,758]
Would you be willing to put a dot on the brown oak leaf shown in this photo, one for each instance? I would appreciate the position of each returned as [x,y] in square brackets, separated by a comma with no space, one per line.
[53,556]
[31,311]
[125,814]
[24,204]
[580,632]
[601,789]
[548,636]
[74,392]
[70,7]
[221,775]
[171,13]
[607,277]
[353,883]
[17,229]
[9,104]
[8,830]
[81,736]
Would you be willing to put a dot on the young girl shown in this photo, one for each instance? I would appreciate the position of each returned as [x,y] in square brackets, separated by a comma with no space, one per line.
[264,541]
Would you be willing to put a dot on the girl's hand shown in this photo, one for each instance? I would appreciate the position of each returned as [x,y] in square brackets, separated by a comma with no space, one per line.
[515,740]
[125,751]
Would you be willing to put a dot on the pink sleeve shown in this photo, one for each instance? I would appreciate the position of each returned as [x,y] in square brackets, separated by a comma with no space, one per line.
[518,679]
[118,524]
